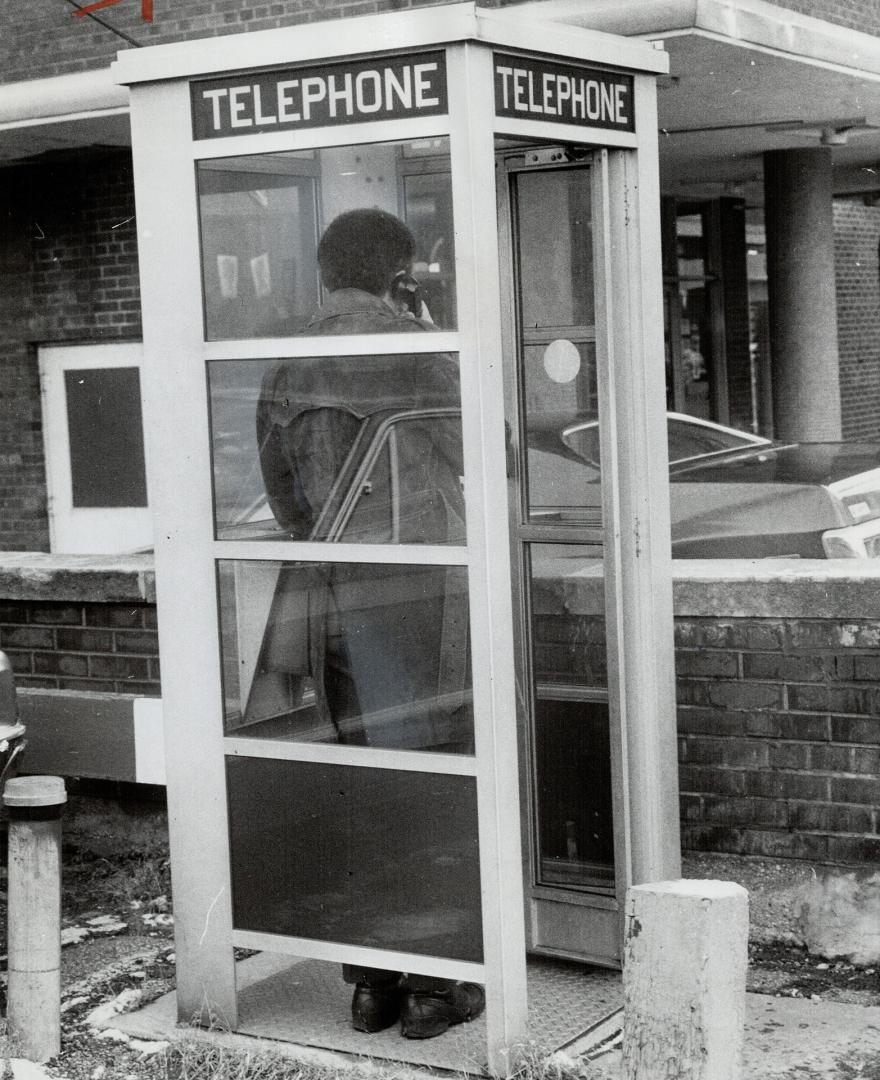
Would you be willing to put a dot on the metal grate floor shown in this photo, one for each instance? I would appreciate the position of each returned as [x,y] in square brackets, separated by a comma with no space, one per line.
[307,1003]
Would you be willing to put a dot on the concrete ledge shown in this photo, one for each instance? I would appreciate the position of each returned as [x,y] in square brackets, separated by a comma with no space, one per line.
[760,588]
[33,575]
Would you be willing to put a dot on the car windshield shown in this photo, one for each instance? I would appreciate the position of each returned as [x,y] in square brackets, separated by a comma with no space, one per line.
[686,439]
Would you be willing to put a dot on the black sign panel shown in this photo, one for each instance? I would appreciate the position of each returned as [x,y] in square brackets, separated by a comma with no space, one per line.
[536,89]
[379,88]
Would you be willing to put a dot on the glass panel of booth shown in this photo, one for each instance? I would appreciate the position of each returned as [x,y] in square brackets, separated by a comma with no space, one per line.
[571,765]
[353,654]
[360,449]
[262,215]
[551,223]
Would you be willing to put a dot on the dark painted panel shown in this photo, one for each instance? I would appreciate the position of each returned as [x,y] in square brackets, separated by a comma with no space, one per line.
[89,735]
[106,437]
[374,857]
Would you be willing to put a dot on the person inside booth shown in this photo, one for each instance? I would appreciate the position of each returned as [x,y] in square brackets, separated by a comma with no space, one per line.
[386,673]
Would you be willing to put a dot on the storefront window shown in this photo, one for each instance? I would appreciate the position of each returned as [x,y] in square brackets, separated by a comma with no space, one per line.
[694,355]
[262,216]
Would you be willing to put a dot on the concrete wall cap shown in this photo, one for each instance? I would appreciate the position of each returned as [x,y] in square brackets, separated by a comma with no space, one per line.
[696,888]
[37,575]
[34,791]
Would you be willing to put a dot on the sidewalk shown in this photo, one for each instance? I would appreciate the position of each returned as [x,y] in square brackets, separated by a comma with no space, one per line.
[797,1039]
[785,1039]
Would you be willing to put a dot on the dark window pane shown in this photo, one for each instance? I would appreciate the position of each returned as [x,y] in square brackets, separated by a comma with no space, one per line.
[106,437]
[375,857]
[573,758]
[572,762]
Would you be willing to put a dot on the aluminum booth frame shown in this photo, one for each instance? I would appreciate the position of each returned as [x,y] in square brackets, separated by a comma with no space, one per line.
[479,105]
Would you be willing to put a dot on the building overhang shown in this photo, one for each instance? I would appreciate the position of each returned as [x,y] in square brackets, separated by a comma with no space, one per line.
[86,108]
[747,76]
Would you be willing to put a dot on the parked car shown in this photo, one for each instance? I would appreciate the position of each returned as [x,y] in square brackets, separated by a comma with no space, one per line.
[733,494]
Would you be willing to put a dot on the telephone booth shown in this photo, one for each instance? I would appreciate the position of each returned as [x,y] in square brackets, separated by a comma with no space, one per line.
[412,537]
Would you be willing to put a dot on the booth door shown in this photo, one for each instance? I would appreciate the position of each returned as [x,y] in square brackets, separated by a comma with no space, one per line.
[545,202]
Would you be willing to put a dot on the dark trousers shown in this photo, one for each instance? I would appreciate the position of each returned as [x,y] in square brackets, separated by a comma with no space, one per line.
[419,984]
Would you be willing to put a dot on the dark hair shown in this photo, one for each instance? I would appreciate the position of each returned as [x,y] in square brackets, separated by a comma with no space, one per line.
[364,249]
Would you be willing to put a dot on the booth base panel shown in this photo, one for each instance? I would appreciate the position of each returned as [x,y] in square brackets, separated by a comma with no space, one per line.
[307,1003]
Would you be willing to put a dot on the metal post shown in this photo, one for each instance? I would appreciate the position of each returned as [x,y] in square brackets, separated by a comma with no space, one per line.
[35,805]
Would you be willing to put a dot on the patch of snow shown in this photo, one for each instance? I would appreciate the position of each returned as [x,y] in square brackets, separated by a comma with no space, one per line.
[158,919]
[71,1003]
[106,924]
[73,935]
[145,1047]
[123,1002]
[28,1070]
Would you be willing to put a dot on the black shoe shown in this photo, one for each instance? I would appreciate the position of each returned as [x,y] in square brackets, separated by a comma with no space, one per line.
[425,1015]
[375,1007]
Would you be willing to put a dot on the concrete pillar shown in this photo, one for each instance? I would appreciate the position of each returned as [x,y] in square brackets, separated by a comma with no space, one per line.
[684,980]
[801,285]
[34,804]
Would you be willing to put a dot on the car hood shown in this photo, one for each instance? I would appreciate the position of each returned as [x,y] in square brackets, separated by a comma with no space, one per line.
[830,484]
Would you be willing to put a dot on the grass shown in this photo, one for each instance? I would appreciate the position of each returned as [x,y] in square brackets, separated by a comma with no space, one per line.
[213,1061]
[199,1059]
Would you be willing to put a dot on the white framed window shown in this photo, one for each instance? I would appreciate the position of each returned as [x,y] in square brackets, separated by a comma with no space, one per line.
[94,444]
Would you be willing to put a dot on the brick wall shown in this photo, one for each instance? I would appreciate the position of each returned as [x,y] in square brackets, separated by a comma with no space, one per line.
[861,15]
[779,729]
[779,724]
[778,691]
[46,38]
[778,674]
[109,648]
[856,238]
[68,258]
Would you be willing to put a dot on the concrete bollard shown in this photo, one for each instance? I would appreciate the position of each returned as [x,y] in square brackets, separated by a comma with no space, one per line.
[33,1012]
[684,980]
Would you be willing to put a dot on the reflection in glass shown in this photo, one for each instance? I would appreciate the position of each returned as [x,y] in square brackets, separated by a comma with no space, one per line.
[261,217]
[562,435]
[428,213]
[556,342]
[259,237]
[362,655]
[555,248]
[362,449]
[694,300]
[572,762]
[374,857]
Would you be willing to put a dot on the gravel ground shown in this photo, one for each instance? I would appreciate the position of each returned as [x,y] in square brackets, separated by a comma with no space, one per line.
[778,961]
[117,920]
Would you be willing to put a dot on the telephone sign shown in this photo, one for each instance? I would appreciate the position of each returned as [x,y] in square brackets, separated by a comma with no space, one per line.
[530,88]
[381,88]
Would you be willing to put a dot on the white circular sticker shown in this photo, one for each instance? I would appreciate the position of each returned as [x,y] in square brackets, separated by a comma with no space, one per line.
[562,361]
